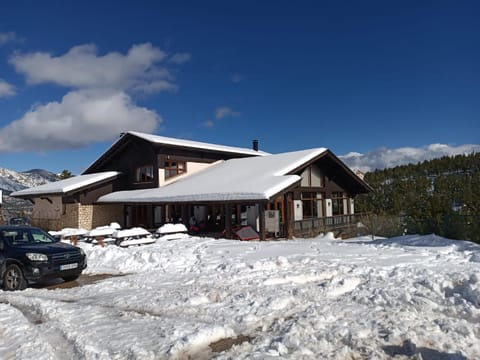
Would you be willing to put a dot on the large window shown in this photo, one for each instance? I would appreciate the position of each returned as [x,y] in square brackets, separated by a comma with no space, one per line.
[339,203]
[312,204]
[144,174]
[174,168]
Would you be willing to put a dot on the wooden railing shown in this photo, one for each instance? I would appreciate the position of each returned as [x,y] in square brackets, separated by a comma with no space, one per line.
[331,223]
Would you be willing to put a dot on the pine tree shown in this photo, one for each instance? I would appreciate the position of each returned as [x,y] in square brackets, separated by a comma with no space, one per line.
[439,196]
[65,174]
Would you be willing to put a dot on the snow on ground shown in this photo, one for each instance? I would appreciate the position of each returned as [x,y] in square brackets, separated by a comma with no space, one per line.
[409,297]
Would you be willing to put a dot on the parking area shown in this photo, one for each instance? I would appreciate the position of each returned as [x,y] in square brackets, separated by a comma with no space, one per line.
[81,281]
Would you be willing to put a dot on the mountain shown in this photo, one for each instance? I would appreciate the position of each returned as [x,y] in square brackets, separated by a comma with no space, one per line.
[11,181]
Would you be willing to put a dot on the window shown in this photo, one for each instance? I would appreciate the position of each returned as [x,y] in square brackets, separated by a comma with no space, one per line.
[26,236]
[312,177]
[338,203]
[174,168]
[312,204]
[144,174]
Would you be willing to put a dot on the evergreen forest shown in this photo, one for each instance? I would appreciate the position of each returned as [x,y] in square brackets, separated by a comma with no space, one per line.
[440,196]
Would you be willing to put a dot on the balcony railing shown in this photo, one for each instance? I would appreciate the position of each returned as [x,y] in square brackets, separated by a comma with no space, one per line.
[330,223]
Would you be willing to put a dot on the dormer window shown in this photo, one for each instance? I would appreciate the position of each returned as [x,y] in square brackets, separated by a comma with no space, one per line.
[174,168]
[144,174]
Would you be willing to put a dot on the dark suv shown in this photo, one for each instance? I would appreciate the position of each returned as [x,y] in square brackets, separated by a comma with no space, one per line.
[30,254]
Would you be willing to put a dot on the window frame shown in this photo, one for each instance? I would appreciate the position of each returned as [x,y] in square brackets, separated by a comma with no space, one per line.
[307,180]
[310,200]
[171,171]
[142,174]
[338,204]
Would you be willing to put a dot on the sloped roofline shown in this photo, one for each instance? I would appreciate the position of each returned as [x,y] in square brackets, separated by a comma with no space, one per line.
[339,162]
[67,186]
[157,139]
[174,142]
[243,179]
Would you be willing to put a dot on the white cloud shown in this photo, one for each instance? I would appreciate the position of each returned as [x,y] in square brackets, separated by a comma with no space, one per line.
[180,58]
[98,105]
[81,67]
[225,111]
[6,89]
[220,113]
[7,37]
[386,158]
[82,117]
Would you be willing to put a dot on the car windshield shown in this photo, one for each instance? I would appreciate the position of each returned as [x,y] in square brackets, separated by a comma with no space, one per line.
[25,236]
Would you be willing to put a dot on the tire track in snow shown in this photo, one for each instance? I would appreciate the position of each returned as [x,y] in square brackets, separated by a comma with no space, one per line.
[63,347]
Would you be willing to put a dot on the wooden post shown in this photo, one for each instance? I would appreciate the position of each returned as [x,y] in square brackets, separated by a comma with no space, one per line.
[184,214]
[228,220]
[239,215]
[262,234]
[163,218]
[167,213]
[288,211]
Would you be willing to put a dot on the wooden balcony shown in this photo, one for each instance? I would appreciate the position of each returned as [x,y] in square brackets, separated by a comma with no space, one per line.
[336,224]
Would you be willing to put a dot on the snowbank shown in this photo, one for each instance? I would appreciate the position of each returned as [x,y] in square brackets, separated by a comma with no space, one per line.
[313,298]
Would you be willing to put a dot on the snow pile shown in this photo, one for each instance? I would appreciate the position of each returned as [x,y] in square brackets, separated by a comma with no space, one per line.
[68,232]
[323,298]
[136,231]
[171,228]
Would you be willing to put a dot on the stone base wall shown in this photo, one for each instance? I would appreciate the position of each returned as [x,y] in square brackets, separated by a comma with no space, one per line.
[83,216]
[105,214]
[70,217]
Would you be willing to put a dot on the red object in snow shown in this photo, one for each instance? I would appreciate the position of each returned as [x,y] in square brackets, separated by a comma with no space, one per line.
[247,233]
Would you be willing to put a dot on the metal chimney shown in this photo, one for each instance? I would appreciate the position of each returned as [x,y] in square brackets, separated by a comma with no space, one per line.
[255,145]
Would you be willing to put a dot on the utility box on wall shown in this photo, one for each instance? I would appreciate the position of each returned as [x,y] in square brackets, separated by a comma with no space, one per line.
[272,221]
[328,203]
[297,210]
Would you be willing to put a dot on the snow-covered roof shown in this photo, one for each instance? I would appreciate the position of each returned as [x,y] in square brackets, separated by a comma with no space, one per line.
[66,185]
[195,144]
[253,178]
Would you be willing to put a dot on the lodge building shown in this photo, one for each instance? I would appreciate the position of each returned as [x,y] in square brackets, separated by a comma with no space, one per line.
[149,180]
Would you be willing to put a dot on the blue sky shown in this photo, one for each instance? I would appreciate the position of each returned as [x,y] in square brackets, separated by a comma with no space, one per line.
[378,78]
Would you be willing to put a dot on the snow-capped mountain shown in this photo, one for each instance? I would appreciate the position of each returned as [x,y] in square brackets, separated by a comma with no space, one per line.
[11,181]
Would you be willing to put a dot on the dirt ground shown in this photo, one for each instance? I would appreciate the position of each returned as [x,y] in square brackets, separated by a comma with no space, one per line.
[81,281]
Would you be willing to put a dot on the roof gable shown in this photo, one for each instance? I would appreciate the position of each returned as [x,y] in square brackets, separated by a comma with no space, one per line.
[156,141]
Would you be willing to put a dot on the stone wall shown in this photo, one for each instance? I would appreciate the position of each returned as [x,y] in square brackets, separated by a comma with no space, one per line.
[83,216]
[70,217]
[105,214]
[91,216]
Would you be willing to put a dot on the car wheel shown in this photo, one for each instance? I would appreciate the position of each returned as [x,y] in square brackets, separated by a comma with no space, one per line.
[13,278]
[71,278]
